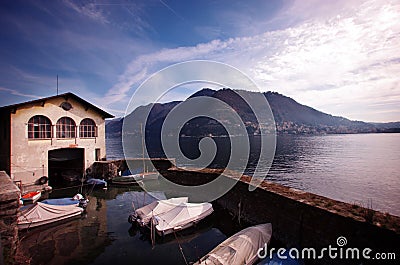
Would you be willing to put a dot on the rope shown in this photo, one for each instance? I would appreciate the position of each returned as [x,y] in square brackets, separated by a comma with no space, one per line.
[180,248]
[152,235]
[69,187]
[152,230]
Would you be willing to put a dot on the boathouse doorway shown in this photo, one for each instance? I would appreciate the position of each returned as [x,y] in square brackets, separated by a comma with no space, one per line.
[66,165]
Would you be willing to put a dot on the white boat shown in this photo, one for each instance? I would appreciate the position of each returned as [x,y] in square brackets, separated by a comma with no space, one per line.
[41,214]
[150,175]
[136,178]
[143,215]
[241,248]
[127,180]
[180,217]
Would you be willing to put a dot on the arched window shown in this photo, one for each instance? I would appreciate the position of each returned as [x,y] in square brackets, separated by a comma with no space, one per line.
[39,127]
[87,128]
[66,128]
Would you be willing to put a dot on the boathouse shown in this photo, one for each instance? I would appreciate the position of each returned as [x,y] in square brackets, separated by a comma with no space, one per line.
[51,136]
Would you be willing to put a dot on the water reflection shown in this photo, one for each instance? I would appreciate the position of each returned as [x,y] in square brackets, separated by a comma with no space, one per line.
[69,242]
[104,236]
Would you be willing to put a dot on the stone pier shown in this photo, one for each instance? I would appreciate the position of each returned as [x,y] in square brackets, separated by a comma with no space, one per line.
[9,204]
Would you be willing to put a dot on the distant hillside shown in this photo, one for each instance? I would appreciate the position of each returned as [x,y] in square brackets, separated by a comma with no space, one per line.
[290,117]
[158,112]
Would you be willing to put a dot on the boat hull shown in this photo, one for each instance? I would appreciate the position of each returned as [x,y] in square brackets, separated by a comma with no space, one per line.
[31,197]
[241,248]
[97,182]
[61,201]
[127,180]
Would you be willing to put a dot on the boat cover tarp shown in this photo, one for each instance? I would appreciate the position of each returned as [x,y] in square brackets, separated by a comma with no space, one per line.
[95,181]
[42,213]
[241,248]
[61,201]
[182,215]
[158,207]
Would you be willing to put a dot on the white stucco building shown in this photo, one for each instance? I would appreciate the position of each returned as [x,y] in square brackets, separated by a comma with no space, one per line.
[49,136]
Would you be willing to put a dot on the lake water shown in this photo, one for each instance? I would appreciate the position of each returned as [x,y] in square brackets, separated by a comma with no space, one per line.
[104,236]
[355,168]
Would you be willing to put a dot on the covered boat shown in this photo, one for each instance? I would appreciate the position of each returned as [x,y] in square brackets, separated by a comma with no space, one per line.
[96,182]
[143,215]
[181,216]
[42,214]
[31,197]
[241,248]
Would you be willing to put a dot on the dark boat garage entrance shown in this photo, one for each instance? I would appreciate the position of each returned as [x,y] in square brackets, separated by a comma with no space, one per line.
[66,165]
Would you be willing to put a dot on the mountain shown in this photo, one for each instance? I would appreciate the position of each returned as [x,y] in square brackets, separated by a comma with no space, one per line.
[290,117]
[388,126]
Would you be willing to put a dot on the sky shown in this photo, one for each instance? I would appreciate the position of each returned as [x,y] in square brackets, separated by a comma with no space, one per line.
[340,57]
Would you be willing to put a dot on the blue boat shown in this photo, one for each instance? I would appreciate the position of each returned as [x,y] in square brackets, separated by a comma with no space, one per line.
[97,182]
[61,201]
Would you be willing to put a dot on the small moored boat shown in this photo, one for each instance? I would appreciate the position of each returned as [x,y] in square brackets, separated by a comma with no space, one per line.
[77,200]
[31,197]
[127,180]
[143,215]
[61,201]
[181,217]
[150,175]
[241,248]
[97,182]
[41,214]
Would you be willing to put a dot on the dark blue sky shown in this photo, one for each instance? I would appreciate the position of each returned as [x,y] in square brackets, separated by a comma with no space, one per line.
[332,56]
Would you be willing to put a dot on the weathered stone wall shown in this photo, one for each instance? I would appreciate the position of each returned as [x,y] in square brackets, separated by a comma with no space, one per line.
[9,204]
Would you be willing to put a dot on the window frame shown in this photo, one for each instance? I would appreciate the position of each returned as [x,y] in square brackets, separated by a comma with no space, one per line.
[65,130]
[88,130]
[39,128]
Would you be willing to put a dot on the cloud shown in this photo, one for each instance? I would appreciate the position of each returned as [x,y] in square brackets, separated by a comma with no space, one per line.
[18,93]
[172,10]
[142,67]
[88,9]
[121,16]
[347,53]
